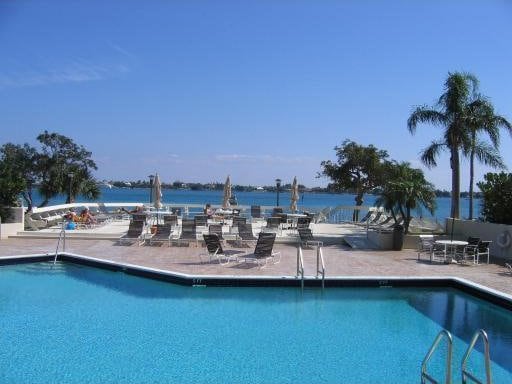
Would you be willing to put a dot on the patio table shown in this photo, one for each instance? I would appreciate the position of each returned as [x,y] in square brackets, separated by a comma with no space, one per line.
[450,246]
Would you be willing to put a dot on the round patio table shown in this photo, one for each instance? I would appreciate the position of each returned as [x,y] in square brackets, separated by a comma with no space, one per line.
[450,246]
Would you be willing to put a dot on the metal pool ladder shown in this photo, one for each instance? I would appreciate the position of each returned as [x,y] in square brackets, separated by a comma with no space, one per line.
[425,377]
[320,265]
[487,358]
[62,237]
[300,266]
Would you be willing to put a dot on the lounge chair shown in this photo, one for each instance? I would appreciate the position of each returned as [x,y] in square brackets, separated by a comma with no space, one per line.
[201,220]
[245,234]
[263,251]
[216,229]
[273,225]
[384,223]
[373,220]
[188,232]
[369,216]
[255,212]
[276,211]
[236,221]
[215,250]
[135,233]
[307,239]
[33,223]
[163,234]
[171,220]
[303,222]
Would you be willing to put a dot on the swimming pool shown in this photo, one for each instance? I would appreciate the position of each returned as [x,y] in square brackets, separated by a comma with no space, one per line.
[78,324]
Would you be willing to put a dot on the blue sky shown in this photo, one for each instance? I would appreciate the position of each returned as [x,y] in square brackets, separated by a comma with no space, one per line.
[196,90]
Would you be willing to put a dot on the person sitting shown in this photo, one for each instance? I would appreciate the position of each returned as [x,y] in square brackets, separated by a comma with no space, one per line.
[86,217]
[209,211]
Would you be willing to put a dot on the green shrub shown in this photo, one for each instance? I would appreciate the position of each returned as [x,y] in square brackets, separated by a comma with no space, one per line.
[497,198]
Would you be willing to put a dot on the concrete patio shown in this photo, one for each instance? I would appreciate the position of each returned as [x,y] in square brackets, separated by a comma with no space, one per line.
[340,261]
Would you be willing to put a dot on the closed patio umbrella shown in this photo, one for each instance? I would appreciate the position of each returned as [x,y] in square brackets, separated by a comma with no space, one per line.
[295,195]
[227,193]
[157,192]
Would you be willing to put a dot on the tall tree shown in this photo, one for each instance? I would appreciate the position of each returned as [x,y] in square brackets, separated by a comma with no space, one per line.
[11,182]
[450,113]
[482,119]
[22,161]
[65,167]
[359,169]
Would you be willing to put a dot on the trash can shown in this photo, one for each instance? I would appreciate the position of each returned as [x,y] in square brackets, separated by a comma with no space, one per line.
[398,237]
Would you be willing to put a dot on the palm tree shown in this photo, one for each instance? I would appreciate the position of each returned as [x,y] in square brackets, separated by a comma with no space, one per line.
[405,191]
[481,118]
[452,106]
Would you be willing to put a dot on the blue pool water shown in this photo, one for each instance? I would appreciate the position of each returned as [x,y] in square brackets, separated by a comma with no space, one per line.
[75,324]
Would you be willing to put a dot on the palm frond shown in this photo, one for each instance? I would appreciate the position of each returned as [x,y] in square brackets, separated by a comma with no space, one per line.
[429,154]
[424,114]
[488,155]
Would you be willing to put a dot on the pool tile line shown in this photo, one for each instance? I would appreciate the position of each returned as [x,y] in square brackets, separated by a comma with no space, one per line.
[483,292]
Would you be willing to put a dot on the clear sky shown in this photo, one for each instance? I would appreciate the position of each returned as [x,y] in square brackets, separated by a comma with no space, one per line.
[197,90]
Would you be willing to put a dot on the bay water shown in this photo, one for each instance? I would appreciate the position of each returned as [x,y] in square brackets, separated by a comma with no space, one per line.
[307,201]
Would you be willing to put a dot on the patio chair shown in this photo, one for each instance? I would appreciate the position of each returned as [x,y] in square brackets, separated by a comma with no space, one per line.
[135,233]
[481,250]
[245,234]
[201,220]
[303,222]
[34,224]
[372,220]
[188,232]
[236,221]
[163,234]
[307,239]
[171,220]
[139,217]
[216,229]
[276,211]
[426,245]
[384,223]
[263,251]
[215,250]
[461,252]
[369,216]
[255,211]
[273,225]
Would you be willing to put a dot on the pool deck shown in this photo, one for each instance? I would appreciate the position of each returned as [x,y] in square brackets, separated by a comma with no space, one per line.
[340,261]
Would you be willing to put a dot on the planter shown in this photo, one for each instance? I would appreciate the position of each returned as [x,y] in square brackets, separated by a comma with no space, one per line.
[398,238]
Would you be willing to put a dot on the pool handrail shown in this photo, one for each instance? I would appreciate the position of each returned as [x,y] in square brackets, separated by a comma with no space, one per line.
[448,370]
[487,358]
[320,264]
[62,236]
[300,266]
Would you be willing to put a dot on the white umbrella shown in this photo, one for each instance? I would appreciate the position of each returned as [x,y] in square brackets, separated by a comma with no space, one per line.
[295,195]
[157,192]
[227,193]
